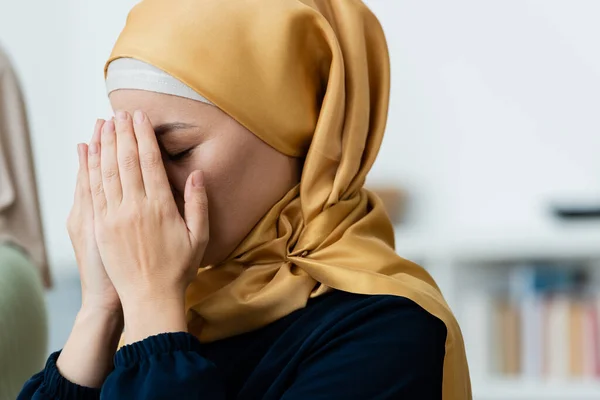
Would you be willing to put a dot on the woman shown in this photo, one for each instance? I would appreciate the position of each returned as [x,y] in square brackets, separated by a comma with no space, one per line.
[263,118]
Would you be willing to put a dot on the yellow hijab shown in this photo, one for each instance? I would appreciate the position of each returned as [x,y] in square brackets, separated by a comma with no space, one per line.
[311,78]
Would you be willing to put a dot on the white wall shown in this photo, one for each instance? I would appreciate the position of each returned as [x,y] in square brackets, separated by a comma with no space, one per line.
[493,111]
[494,108]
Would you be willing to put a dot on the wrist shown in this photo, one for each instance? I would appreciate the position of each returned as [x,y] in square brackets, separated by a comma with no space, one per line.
[153,316]
[86,358]
[99,321]
[109,315]
[92,305]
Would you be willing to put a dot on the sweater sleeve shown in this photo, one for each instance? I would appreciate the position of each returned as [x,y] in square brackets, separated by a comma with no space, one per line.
[166,366]
[49,384]
[398,354]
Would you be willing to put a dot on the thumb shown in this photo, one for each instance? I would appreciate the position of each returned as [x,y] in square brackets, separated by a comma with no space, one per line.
[196,208]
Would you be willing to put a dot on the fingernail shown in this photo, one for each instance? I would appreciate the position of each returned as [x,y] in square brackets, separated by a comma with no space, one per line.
[198,179]
[93,148]
[121,115]
[138,116]
[109,127]
[79,149]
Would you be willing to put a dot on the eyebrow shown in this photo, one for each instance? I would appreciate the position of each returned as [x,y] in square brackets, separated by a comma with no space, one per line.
[171,126]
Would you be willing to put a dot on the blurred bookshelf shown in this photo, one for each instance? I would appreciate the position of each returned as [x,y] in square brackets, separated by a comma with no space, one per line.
[528,302]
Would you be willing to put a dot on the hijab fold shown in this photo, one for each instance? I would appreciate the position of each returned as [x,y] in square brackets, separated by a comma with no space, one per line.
[311,78]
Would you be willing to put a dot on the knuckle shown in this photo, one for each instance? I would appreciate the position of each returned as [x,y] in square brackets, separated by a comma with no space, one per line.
[93,163]
[162,207]
[132,219]
[129,161]
[110,173]
[131,216]
[150,160]
[97,189]
[166,209]
[203,206]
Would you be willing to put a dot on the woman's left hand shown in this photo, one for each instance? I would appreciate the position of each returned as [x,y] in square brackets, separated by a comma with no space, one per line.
[150,252]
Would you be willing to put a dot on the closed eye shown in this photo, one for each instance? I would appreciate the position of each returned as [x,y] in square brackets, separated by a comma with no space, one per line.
[180,156]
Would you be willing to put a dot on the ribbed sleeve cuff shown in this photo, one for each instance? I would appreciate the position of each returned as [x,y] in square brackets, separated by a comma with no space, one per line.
[159,344]
[59,387]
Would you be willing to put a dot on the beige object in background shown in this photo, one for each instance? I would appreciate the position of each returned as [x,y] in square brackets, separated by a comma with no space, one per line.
[509,328]
[394,201]
[20,221]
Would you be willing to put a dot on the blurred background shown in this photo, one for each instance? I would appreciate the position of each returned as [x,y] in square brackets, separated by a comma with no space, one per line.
[490,166]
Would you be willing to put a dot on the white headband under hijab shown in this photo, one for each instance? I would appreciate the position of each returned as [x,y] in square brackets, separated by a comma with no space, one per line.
[129,73]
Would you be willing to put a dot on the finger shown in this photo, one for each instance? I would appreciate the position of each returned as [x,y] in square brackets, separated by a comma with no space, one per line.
[109,165]
[154,175]
[83,182]
[95,176]
[128,158]
[86,195]
[80,175]
[196,208]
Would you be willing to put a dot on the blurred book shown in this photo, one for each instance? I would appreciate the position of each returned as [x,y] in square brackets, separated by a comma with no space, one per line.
[508,324]
[546,325]
[556,346]
[477,329]
[531,314]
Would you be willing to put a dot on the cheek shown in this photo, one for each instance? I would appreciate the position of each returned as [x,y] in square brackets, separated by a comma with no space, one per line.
[177,176]
[220,172]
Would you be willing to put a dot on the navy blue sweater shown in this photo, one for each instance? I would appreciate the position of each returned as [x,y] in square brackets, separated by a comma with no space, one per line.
[341,346]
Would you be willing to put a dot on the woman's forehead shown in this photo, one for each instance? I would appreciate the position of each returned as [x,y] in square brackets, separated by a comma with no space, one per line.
[134,98]
[161,108]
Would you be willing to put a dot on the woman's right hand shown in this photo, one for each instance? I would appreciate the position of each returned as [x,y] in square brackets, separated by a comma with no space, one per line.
[98,292]
[87,357]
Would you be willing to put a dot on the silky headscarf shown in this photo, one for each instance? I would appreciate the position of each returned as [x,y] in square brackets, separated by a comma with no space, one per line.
[311,78]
